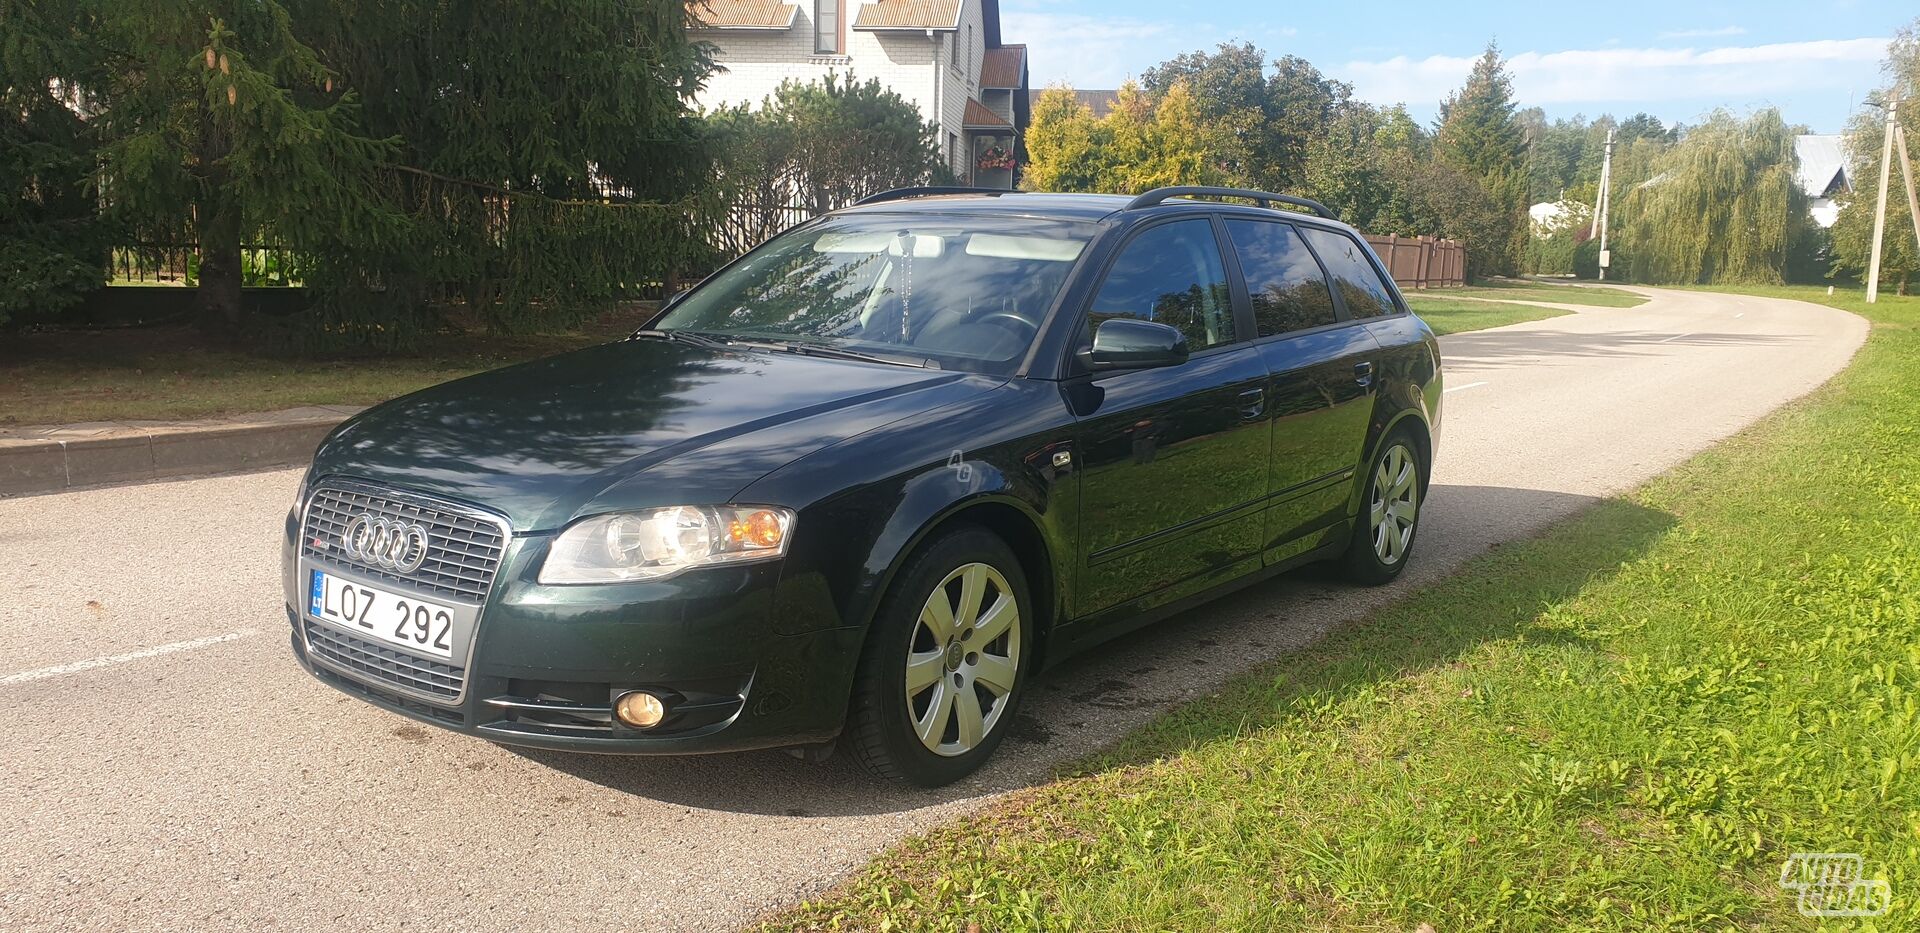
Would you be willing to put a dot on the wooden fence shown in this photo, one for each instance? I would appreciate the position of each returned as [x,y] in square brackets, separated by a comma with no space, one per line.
[1421,261]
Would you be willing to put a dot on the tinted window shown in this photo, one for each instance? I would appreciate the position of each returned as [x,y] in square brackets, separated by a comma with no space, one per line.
[1172,274]
[1288,290]
[1360,286]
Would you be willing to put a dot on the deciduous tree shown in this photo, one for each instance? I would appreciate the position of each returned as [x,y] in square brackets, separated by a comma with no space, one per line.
[1853,232]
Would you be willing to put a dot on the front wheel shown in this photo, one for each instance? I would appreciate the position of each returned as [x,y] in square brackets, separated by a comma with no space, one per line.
[945,664]
[1389,514]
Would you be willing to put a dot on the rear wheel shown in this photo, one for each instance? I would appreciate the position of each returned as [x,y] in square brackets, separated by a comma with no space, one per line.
[945,664]
[1389,513]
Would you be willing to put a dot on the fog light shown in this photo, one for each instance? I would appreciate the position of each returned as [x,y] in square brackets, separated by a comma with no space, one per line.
[640,709]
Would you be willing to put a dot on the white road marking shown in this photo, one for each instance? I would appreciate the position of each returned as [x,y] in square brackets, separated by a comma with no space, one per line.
[75,667]
[1469,385]
[1675,337]
[1741,314]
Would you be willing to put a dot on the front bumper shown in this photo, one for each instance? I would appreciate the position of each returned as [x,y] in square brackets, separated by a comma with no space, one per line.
[543,663]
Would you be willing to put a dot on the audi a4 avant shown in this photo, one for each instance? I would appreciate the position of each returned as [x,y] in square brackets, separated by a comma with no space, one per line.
[861,485]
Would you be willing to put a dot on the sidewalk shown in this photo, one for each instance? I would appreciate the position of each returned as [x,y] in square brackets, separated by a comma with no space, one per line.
[58,457]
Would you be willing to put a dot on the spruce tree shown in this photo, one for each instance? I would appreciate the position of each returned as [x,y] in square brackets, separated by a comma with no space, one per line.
[1479,134]
[221,127]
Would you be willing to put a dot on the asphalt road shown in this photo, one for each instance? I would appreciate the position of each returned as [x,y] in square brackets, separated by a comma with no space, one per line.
[168,766]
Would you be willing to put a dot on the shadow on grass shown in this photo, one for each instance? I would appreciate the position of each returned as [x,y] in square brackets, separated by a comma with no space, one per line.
[1495,597]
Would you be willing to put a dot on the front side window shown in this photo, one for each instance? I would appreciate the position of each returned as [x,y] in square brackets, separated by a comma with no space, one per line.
[1171,273]
[965,292]
[826,27]
[1360,286]
[1285,284]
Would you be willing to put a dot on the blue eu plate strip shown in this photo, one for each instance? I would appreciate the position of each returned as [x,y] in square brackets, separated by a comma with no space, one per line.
[319,591]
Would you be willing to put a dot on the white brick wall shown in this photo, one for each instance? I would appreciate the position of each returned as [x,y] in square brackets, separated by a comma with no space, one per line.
[756,61]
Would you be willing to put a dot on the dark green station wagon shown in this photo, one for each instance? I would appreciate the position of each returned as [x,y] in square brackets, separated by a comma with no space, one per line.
[861,485]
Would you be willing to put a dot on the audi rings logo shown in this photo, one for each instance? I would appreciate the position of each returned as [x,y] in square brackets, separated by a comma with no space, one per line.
[387,543]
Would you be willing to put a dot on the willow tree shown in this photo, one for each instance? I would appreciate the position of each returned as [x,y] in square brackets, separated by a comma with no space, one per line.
[1721,205]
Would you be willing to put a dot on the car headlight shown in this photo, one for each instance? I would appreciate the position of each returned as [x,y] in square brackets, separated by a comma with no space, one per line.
[626,546]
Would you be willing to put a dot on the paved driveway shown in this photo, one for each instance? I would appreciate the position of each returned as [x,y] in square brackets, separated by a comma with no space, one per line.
[167,765]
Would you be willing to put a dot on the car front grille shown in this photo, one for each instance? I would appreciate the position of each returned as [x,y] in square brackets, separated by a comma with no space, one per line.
[463,545]
[378,662]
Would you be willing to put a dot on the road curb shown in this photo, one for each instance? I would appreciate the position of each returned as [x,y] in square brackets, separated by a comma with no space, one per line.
[52,459]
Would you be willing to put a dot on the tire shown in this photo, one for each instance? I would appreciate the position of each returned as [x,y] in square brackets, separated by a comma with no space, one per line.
[954,673]
[1385,530]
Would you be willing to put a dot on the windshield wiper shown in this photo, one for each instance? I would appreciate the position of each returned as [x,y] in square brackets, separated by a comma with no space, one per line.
[689,336]
[842,353]
[724,341]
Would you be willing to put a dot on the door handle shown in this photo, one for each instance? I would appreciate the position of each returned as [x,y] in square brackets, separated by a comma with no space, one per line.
[1363,372]
[1253,402]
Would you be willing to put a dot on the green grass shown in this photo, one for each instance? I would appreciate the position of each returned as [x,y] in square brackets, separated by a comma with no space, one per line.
[1451,317]
[1625,724]
[170,372]
[1597,296]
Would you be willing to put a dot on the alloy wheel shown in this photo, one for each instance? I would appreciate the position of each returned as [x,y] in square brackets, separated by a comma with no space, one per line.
[1396,503]
[963,659]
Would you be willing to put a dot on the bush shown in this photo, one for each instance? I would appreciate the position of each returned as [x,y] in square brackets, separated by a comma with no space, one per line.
[811,148]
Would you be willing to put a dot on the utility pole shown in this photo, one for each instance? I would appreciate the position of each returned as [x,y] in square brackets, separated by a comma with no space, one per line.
[1605,201]
[1880,207]
[1906,174]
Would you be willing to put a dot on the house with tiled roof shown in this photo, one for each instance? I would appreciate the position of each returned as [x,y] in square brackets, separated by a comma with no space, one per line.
[946,57]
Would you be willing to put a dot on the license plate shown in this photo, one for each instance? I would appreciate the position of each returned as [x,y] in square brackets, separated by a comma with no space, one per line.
[409,622]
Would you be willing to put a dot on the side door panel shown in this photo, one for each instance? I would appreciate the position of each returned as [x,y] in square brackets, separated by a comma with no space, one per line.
[1173,460]
[1320,381]
[1173,471]
[1321,406]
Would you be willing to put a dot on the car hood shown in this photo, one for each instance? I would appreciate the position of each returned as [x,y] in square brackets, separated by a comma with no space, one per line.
[633,424]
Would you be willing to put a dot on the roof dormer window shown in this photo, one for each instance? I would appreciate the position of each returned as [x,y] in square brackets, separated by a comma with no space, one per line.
[826,27]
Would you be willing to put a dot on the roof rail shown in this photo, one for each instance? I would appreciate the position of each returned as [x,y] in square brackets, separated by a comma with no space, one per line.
[1262,198]
[922,191]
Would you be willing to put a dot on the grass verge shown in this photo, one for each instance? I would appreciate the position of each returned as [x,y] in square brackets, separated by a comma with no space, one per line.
[1451,317]
[1598,296]
[1625,724]
[170,372]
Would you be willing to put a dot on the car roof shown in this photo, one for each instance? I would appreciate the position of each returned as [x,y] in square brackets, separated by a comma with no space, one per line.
[1059,206]
[1024,203]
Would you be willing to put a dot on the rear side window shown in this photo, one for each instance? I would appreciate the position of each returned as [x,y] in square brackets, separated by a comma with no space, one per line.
[1360,286]
[1285,284]
[1171,273]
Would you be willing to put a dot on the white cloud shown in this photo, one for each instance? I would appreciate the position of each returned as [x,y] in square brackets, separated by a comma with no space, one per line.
[1102,51]
[1704,33]
[1087,51]
[1734,74]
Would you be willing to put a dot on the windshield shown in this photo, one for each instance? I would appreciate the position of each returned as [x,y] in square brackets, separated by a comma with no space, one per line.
[964,292]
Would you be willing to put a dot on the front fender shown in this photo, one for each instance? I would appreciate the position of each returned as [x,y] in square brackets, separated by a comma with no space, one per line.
[867,503]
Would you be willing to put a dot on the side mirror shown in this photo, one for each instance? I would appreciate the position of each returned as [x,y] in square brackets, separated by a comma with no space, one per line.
[1131,343]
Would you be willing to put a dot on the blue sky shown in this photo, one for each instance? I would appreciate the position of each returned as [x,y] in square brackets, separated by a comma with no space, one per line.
[1675,60]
